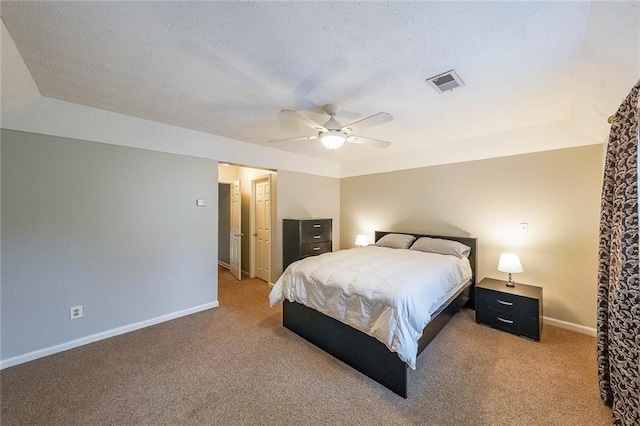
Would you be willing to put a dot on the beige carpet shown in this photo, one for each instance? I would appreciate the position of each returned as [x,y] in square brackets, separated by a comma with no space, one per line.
[236,365]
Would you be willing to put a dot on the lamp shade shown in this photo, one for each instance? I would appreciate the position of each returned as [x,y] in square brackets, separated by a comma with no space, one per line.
[510,262]
[333,139]
[361,240]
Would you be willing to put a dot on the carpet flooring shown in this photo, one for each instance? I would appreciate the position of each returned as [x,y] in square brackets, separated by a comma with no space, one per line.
[236,364]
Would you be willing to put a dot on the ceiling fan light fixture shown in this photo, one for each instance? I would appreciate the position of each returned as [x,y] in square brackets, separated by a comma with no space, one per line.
[333,139]
[333,134]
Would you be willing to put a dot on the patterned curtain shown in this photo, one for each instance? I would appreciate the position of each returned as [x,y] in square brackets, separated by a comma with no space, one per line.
[618,273]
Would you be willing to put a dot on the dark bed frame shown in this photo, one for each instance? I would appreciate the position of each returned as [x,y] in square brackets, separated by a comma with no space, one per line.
[365,353]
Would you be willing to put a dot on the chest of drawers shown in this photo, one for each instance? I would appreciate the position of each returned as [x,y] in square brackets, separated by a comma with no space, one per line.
[305,237]
[516,310]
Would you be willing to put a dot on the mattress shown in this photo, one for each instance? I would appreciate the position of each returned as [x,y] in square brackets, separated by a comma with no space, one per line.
[389,294]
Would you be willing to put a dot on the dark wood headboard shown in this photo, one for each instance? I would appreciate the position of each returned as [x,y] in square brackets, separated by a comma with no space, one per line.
[471,242]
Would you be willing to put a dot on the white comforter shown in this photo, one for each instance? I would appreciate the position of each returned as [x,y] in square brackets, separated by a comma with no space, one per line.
[386,293]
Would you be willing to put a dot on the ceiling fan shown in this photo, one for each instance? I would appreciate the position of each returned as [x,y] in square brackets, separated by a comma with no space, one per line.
[333,135]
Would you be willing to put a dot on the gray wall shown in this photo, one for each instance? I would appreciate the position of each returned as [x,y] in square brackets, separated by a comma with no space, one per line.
[224,222]
[111,228]
[556,192]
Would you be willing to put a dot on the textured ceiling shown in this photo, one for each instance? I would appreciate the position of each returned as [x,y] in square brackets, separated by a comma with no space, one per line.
[228,68]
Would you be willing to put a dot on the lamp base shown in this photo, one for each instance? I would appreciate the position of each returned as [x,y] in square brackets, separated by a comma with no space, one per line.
[510,283]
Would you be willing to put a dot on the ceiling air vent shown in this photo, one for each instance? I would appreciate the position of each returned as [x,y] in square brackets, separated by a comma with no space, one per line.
[445,81]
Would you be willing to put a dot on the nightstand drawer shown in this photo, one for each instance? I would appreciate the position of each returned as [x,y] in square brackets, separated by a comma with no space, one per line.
[508,303]
[517,324]
[314,249]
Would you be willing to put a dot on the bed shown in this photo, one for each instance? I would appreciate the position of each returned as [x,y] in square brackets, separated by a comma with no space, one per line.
[382,353]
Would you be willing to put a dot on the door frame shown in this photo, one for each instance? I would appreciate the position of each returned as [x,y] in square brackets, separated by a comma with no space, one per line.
[252,224]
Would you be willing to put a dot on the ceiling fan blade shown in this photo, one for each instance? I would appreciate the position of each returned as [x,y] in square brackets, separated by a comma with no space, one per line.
[207,56]
[329,69]
[368,141]
[295,115]
[304,138]
[350,115]
[233,106]
[365,123]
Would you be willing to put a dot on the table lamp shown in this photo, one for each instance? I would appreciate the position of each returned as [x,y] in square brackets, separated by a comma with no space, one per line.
[510,263]
[361,240]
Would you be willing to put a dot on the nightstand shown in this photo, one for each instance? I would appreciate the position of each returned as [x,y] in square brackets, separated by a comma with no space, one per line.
[516,310]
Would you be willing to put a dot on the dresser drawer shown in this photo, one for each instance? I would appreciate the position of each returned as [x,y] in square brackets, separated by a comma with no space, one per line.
[506,321]
[316,236]
[316,227]
[314,249]
[510,304]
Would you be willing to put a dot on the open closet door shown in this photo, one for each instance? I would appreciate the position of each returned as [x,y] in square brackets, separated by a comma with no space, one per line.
[235,234]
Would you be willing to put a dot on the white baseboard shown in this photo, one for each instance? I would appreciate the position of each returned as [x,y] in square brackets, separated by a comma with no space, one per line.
[224,265]
[570,326]
[40,353]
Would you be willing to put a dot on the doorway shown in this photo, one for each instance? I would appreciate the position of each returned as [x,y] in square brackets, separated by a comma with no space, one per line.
[247,250]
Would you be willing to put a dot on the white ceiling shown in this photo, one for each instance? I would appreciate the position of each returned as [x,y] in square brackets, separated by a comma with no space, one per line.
[228,68]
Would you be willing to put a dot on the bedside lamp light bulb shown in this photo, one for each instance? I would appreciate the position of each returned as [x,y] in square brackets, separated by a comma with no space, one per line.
[361,240]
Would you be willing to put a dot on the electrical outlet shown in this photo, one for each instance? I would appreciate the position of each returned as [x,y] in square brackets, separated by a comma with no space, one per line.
[75,312]
[524,227]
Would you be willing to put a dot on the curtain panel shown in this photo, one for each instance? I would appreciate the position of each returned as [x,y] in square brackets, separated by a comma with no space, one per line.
[618,328]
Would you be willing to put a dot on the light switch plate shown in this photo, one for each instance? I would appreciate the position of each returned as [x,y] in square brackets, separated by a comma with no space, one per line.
[201,203]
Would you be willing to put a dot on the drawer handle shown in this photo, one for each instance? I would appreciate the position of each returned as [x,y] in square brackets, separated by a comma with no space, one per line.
[505,303]
[316,248]
[316,236]
[316,226]
[504,320]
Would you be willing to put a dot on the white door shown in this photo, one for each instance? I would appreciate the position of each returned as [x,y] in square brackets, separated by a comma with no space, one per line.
[262,227]
[235,234]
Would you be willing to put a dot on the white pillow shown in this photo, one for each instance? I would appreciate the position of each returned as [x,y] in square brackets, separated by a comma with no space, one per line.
[440,246]
[400,241]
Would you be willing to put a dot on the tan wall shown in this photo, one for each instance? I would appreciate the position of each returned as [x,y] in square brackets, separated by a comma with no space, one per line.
[556,192]
[303,195]
[227,174]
